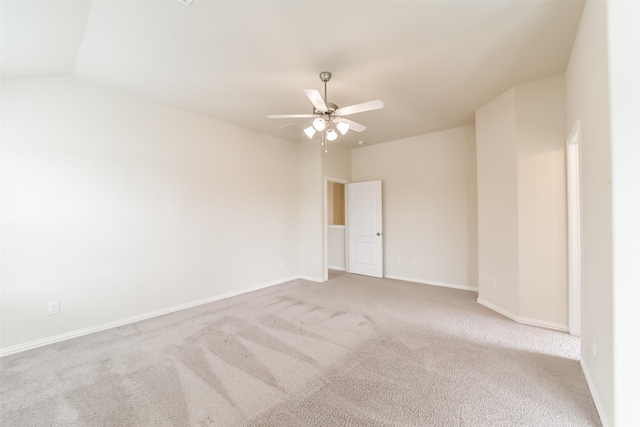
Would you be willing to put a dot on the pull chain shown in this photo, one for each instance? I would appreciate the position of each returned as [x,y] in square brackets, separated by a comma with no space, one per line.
[326,145]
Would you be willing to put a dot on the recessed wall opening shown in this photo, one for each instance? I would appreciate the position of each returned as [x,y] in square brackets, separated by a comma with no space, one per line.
[335,203]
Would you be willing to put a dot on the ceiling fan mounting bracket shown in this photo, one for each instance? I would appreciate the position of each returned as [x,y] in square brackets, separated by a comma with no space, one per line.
[325,76]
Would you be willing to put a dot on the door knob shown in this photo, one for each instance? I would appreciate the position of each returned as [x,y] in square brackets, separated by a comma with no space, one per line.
[377,234]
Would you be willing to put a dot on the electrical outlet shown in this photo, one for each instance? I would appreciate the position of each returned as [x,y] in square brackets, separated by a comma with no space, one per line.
[414,262]
[594,348]
[494,284]
[54,308]
[399,260]
[281,263]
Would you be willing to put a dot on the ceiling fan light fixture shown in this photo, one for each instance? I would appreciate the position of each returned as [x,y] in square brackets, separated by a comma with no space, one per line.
[319,124]
[310,131]
[343,127]
[328,118]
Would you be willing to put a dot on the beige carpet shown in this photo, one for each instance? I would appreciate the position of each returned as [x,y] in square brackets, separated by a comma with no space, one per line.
[353,351]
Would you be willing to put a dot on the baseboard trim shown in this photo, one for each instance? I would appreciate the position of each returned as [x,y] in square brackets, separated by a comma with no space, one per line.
[86,331]
[594,394]
[334,267]
[432,283]
[524,320]
[312,279]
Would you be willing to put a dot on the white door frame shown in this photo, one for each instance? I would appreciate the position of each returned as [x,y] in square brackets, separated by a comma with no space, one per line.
[325,229]
[574,228]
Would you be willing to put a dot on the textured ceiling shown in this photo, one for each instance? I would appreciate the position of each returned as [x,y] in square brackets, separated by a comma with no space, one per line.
[433,63]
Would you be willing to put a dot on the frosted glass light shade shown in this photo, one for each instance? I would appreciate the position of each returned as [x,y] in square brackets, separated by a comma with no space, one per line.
[310,131]
[332,135]
[319,124]
[342,127]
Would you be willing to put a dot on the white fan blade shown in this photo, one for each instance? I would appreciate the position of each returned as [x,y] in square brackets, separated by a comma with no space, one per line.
[359,108]
[316,99]
[290,116]
[354,126]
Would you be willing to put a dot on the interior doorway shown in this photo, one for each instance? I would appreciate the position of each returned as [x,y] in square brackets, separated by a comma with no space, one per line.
[573,222]
[335,225]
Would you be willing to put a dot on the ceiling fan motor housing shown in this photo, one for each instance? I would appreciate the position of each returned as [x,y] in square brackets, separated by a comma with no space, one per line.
[331,108]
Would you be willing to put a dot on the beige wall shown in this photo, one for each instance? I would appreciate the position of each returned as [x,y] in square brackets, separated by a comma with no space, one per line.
[116,207]
[429,205]
[522,203]
[311,211]
[603,92]
[496,136]
[542,200]
[624,75]
[588,100]
[336,163]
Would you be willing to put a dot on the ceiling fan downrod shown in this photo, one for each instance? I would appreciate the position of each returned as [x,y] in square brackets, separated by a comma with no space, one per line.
[325,76]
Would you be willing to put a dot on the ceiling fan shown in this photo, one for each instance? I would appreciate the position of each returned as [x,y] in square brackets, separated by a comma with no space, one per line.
[329,118]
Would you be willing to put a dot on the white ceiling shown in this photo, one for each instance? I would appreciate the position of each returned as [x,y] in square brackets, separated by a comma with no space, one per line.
[433,63]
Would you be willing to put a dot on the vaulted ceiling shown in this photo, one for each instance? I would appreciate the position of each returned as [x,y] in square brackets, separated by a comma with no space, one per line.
[433,63]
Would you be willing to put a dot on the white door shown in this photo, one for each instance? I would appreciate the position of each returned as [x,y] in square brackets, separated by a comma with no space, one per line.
[365,228]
